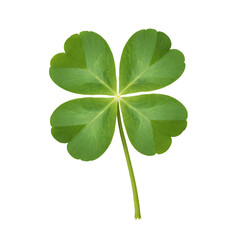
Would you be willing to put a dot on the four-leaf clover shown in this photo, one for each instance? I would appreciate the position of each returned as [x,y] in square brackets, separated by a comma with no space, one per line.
[87,124]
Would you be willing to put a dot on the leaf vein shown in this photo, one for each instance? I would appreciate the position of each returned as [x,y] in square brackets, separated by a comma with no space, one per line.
[101,81]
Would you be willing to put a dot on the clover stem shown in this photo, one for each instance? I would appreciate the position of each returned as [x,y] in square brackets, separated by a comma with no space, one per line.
[129,164]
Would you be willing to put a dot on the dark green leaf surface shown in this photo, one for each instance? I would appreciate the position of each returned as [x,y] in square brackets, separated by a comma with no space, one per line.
[147,63]
[151,120]
[86,124]
[86,67]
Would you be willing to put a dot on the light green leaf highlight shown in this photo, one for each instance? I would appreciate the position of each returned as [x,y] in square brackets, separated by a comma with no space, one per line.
[86,124]
[151,120]
[86,67]
[147,63]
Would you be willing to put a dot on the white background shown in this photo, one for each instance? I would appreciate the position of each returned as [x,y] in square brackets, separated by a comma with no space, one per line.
[191,192]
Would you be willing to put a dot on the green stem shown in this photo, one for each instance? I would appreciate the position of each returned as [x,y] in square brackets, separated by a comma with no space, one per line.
[129,164]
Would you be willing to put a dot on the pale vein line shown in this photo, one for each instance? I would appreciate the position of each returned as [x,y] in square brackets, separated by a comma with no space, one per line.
[101,81]
[97,116]
[133,81]
[135,109]
[100,113]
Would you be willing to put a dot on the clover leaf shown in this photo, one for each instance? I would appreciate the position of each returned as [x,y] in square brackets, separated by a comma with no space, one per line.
[86,67]
[87,124]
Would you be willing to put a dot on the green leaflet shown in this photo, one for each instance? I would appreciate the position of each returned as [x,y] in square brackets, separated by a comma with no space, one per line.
[86,124]
[86,67]
[151,120]
[147,63]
